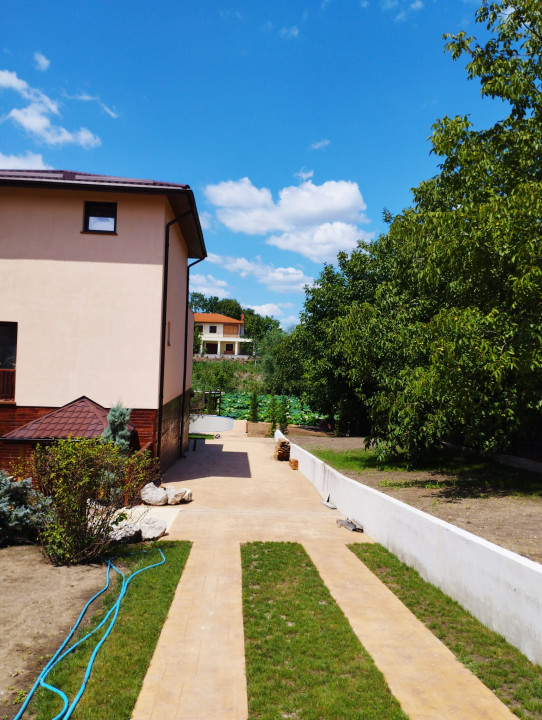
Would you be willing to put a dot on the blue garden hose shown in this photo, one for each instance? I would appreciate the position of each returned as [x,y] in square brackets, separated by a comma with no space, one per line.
[59,655]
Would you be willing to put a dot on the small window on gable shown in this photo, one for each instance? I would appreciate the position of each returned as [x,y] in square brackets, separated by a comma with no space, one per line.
[100,217]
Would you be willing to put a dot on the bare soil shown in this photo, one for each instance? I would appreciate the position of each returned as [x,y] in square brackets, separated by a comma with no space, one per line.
[508,519]
[39,605]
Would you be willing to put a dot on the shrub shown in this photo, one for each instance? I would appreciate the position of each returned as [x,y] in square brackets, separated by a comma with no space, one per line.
[283,413]
[272,412]
[22,510]
[254,406]
[116,431]
[88,481]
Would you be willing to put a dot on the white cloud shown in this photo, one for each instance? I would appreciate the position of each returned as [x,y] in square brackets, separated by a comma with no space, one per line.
[288,33]
[271,309]
[245,208]
[206,220]
[28,161]
[208,285]
[417,5]
[316,221]
[319,144]
[35,118]
[279,279]
[85,97]
[321,243]
[304,174]
[41,62]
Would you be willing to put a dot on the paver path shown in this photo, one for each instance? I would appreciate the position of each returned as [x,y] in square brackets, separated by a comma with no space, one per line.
[242,494]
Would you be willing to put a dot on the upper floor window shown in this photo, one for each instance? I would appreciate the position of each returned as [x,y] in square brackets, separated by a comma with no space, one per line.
[212,328]
[100,217]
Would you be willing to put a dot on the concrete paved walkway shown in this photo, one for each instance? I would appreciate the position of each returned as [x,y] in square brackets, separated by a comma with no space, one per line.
[242,494]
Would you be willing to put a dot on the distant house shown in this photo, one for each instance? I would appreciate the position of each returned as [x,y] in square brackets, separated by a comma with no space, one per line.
[222,336]
[94,304]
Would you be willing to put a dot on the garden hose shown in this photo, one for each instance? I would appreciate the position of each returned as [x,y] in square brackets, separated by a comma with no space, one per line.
[60,654]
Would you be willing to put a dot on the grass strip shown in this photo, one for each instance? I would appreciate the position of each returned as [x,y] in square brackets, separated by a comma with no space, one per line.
[501,667]
[303,660]
[468,474]
[124,658]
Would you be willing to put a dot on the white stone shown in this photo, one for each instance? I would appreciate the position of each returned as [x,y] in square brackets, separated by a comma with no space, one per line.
[176,495]
[152,528]
[152,495]
[126,531]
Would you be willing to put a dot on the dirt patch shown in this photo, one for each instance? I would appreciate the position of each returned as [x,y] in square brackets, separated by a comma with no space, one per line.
[504,518]
[40,604]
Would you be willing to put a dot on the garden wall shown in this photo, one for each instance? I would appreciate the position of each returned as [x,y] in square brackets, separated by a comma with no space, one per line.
[502,589]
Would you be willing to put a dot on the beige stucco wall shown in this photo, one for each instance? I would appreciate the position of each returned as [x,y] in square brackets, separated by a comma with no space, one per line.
[88,306]
[176,299]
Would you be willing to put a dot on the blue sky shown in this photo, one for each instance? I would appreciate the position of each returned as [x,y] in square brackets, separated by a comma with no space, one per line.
[295,123]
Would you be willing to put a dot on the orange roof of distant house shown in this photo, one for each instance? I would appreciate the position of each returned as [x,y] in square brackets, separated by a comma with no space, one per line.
[82,418]
[215,318]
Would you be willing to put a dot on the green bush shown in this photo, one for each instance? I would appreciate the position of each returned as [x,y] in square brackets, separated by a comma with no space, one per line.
[88,482]
[22,510]
[254,404]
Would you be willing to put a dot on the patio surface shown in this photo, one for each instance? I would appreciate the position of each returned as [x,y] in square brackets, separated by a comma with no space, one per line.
[242,494]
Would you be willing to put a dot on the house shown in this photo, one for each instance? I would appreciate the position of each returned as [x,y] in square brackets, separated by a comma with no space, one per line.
[94,277]
[222,336]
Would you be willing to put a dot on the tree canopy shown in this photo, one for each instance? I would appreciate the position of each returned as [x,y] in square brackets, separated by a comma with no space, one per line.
[435,329]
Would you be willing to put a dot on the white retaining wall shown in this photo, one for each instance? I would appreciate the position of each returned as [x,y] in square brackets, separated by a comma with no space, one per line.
[502,589]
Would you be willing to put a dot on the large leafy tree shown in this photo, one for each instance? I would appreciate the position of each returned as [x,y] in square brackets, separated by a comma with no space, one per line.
[451,345]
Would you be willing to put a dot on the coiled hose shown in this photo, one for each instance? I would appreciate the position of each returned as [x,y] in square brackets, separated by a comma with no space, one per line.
[60,654]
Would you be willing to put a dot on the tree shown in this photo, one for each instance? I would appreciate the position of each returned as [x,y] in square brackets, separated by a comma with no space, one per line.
[117,431]
[452,341]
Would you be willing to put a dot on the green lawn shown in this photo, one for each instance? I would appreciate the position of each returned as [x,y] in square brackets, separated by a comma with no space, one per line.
[499,665]
[123,660]
[303,660]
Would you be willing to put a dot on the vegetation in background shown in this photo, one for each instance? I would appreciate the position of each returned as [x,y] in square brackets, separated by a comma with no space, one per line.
[237,405]
[117,431]
[87,482]
[435,330]
[122,662]
[283,413]
[501,667]
[22,510]
[303,660]
[272,414]
[254,406]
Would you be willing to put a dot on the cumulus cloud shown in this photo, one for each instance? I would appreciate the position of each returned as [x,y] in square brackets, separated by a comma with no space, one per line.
[279,279]
[35,117]
[321,243]
[41,62]
[271,309]
[319,144]
[208,285]
[28,161]
[244,208]
[316,221]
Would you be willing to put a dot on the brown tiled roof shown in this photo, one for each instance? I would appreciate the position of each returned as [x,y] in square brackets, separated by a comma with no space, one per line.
[82,418]
[215,318]
[71,176]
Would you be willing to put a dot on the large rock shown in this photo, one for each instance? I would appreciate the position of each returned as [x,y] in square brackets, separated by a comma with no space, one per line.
[126,531]
[152,495]
[177,495]
[152,528]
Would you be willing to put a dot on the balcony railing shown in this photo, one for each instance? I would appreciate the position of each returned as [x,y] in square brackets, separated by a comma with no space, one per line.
[7,385]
